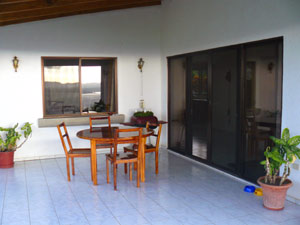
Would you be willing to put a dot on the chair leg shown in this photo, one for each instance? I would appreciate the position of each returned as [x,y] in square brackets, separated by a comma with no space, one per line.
[156,162]
[91,168]
[134,166]
[107,170]
[130,171]
[138,174]
[115,176]
[73,167]
[68,168]
[125,168]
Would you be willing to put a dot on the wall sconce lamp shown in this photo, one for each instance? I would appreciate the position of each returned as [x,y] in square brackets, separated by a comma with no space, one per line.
[141,64]
[16,63]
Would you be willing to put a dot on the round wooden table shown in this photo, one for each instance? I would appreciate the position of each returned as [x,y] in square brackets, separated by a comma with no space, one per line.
[102,135]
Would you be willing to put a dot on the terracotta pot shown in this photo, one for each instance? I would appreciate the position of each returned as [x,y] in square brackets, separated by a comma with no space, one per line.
[7,159]
[274,196]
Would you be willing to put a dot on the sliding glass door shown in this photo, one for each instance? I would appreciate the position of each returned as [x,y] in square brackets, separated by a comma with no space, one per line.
[262,103]
[225,103]
[224,108]
[199,102]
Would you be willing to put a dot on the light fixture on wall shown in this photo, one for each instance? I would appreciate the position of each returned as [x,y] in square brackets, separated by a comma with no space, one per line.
[15,63]
[141,64]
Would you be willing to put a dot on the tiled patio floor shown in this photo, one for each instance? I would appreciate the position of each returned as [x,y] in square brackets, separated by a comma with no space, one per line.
[37,192]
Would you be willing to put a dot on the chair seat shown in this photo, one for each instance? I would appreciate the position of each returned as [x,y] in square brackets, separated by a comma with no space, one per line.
[133,148]
[122,156]
[104,145]
[80,151]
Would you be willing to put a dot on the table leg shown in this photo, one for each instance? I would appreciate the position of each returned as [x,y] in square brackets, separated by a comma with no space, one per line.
[142,166]
[94,161]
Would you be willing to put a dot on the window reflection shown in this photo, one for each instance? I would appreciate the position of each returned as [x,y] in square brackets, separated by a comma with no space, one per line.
[61,89]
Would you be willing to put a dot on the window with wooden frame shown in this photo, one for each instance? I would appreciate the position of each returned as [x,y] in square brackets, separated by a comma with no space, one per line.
[79,86]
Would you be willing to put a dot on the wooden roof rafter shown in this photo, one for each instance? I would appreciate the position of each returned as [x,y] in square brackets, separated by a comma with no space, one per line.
[20,11]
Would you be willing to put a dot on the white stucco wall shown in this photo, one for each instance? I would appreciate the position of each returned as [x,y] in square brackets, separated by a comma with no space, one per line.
[126,34]
[194,25]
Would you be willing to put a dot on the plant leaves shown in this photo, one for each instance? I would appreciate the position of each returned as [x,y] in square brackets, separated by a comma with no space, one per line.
[277,141]
[294,141]
[263,162]
[285,134]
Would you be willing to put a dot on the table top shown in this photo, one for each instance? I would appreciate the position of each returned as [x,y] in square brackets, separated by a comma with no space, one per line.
[106,134]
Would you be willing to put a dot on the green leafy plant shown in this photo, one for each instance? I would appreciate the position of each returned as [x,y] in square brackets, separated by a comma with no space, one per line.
[99,106]
[143,114]
[9,137]
[284,152]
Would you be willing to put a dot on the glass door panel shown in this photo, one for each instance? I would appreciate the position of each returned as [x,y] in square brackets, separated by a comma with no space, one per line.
[262,101]
[224,108]
[199,105]
[177,103]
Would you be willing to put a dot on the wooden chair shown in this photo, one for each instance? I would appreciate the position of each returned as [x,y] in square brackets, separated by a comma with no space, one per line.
[125,158]
[149,147]
[92,128]
[256,136]
[70,151]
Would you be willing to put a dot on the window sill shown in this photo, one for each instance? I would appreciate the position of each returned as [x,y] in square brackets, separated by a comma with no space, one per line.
[76,121]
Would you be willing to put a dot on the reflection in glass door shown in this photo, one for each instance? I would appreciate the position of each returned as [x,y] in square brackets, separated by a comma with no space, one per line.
[262,102]
[177,103]
[199,105]
[224,108]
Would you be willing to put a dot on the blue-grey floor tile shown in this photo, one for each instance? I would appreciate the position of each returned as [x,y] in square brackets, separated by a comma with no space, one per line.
[132,219]
[183,193]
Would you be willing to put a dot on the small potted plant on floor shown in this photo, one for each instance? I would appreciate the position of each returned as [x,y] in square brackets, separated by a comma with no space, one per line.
[283,153]
[9,138]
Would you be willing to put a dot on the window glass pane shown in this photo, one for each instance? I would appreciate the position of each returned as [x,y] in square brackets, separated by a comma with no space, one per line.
[91,88]
[98,85]
[61,83]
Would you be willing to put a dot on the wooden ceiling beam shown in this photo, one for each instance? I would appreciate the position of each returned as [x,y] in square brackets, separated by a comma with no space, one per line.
[40,9]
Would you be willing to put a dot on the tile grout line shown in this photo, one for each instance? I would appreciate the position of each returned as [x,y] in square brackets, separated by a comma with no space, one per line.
[212,168]
[49,191]
[27,193]
[4,196]
[68,183]
[184,203]
[132,203]
[150,210]
[92,188]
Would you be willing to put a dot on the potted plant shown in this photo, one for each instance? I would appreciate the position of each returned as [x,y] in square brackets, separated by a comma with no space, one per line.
[140,118]
[9,138]
[284,152]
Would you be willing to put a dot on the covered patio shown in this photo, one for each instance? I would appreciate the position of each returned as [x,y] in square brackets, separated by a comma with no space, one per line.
[212,70]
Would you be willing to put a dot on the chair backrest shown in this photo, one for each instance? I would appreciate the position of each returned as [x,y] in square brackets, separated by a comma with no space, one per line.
[128,139]
[64,135]
[250,125]
[99,118]
[157,135]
